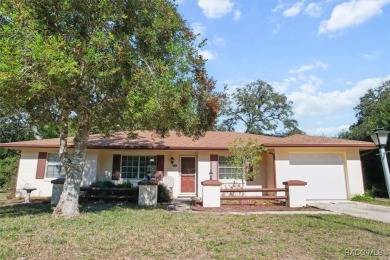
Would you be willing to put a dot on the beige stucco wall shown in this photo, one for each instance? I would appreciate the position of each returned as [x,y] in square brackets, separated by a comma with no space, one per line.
[355,182]
[27,172]
[104,167]
[99,166]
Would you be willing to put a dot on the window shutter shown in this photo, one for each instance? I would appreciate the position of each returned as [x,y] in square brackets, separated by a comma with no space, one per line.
[116,167]
[41,166]
[159,167]
[214,165]
[160,163]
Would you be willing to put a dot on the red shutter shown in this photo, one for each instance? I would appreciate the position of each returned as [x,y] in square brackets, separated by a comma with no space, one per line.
[214,166]
[41,166]
[160,163]
[159,167]
[116,167]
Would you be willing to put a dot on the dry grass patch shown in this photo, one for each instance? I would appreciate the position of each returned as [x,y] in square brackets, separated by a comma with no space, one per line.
[112,230]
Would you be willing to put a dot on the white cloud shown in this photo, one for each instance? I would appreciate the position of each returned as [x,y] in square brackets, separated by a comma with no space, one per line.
[294,10]
[327,131]
[321,104]
[305,68]
[208,55]
[352,13]
[276,28]
[283,86]
[278,8]
[313,9]
[311,83]
[237,15]
[198,28]
[372,55]
[219,41]
[215,8]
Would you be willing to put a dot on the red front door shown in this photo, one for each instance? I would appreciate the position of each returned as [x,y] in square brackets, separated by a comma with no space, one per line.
[188,172]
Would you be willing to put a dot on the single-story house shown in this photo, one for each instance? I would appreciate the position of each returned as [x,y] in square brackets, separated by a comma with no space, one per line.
[331,167]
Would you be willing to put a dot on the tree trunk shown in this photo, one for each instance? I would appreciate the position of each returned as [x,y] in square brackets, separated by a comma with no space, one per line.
[68,206]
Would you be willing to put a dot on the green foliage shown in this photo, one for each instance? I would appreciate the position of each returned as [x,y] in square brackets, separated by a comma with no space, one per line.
[127,62]
[372,112]
[376,190]
[364,197]
[102,66]
[8,169]
[260,108]
[246,155]
[163,194]
[127,185]
[13,127]
[103,184]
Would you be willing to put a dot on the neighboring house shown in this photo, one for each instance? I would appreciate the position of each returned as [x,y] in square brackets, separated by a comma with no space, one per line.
[331,167]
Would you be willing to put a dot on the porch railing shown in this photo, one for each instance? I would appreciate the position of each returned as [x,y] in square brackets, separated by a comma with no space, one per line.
[249,190]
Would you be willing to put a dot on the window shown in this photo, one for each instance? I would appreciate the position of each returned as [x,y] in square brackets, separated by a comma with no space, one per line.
[54,168]
[227,171]
[138,167]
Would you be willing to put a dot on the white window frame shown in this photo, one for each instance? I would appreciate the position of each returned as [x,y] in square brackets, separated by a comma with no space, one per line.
[54,163]
[228,167]
[138,167]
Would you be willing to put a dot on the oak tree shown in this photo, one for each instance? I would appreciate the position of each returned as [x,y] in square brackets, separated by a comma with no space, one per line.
[373,111]
[102,66]
[260,109]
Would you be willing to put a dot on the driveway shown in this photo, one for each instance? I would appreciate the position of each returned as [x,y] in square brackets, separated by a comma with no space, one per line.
[356,209]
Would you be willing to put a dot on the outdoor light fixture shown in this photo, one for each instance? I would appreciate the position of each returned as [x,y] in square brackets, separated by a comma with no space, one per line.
[380,137]
[172,160]
[211,175]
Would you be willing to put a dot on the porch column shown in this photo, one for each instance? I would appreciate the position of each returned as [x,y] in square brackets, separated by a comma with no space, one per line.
[147,195]
[211,194]
[296,193]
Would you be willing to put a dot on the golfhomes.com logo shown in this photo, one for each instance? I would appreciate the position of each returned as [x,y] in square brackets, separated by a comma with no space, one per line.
[366,252]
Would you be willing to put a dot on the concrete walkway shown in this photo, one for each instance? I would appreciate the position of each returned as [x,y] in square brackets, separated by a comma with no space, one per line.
[356,209]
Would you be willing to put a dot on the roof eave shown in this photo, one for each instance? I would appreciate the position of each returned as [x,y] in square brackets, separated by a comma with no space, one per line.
[101,147]
[365,146]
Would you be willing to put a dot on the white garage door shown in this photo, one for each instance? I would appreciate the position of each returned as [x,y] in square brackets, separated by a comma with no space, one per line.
[324,174]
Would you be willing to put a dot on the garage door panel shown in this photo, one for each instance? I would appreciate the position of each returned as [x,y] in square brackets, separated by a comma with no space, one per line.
[324,174]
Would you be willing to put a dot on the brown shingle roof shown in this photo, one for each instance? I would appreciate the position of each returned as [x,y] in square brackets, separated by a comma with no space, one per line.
[316,141]
[213,140]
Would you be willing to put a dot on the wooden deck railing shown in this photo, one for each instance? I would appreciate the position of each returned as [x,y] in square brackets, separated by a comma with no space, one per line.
[246,190]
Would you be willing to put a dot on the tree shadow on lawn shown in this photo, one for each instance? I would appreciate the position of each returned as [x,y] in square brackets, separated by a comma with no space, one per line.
[98,206]
[31,209]
[23,209]
[359,224]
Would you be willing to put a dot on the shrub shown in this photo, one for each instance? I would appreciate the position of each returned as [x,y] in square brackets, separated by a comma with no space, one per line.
[163,194]
[125,185]
[8,172]
[364,197]
[376,191]
[103,184]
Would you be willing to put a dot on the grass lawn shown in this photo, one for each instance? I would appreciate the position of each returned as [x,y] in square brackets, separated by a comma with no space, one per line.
[379,202]
[3,195]
[112,231]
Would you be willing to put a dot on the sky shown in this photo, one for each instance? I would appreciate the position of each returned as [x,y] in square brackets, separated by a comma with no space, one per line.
[323,55]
